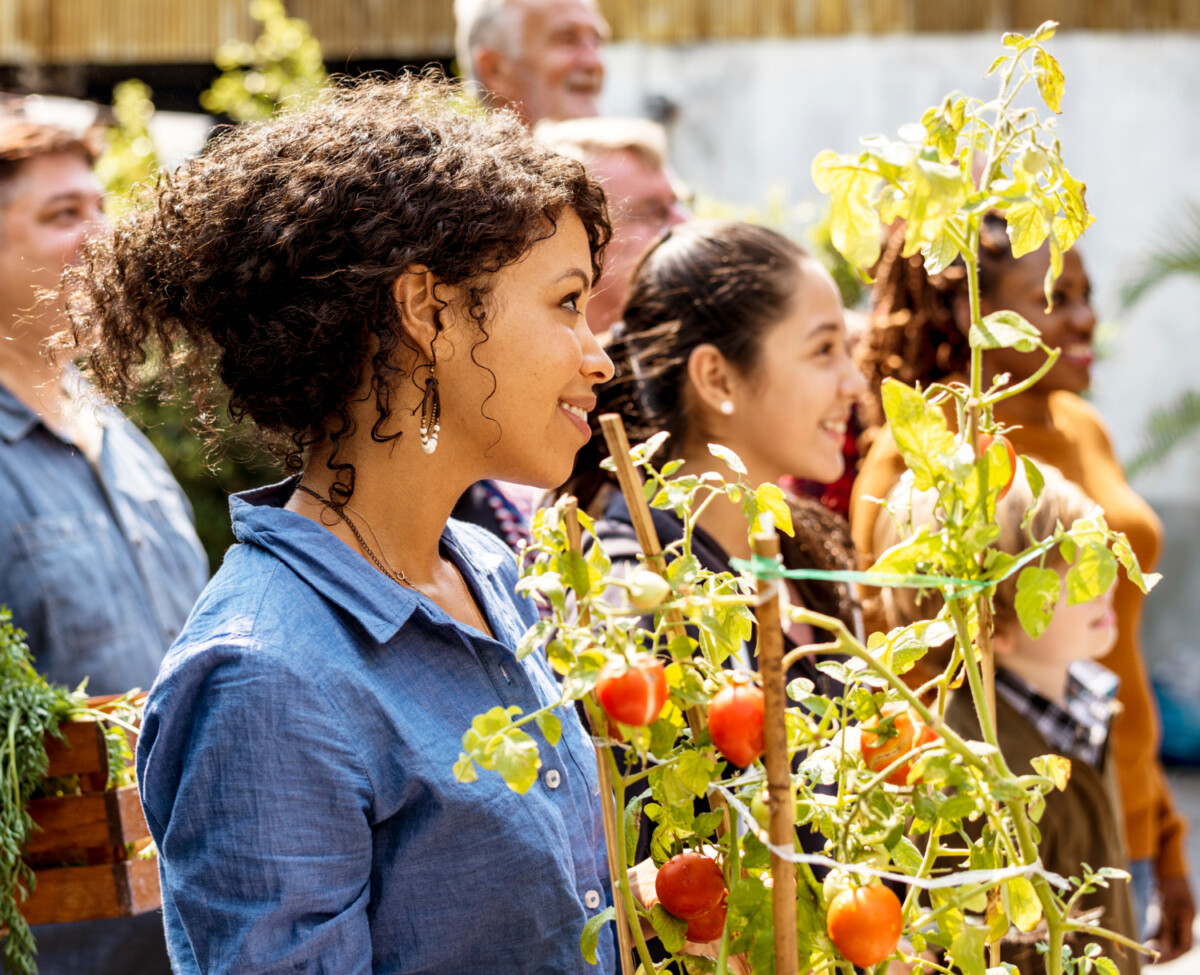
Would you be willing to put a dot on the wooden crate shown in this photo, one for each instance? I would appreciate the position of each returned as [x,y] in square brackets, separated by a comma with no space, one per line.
[84,849]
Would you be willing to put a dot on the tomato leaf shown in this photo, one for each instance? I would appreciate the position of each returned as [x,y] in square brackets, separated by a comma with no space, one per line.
[1021,903]
[966,951]
[1027,228]
[589,940]
[1005,330]
[768,498]
[1095,569]
[695,771]
[732,460]
[671,931]
[1125,555]
[1050,80]
[550,726]
[919,429]
[1054,767]
[1037,595]
[464,769]
[853,223]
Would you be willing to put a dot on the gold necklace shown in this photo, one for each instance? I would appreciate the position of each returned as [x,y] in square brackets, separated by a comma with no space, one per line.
[386,569]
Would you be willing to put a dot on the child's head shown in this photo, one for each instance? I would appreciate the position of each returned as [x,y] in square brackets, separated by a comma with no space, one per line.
[1083,631]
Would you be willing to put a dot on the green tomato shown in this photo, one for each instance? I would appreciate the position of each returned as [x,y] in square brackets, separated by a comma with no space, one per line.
[648,590]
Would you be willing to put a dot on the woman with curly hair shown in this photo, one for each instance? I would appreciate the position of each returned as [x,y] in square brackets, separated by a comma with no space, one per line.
[733,335]
[919,334]
[392,292]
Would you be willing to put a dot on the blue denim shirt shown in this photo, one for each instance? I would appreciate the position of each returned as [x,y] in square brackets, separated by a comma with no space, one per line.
[296,771]
[100,565]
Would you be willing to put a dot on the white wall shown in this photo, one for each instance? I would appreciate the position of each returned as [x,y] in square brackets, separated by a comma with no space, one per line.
[755,113]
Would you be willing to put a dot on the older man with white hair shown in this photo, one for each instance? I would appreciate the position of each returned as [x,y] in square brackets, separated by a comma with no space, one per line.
[540,58]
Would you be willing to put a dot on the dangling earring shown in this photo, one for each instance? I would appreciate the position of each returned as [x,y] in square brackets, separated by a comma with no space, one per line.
[726,407]
[431,414]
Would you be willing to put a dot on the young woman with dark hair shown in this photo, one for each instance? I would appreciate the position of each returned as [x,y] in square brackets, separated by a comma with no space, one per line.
[364,280]
[733,335]
[919,335]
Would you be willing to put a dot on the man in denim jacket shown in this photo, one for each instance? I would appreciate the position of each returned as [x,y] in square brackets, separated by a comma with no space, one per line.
[99,561]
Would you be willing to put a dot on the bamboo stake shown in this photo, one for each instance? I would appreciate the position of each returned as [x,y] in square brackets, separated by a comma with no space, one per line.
[781,823]
[639,512]
[610,801]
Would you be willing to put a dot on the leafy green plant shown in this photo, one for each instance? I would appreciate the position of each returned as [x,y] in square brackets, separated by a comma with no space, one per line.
[965,887]
[282,68]
[31,709]
[129,158]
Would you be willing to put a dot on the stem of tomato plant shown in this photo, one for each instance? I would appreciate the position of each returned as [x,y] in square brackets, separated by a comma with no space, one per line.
[626,892]
[1010,391]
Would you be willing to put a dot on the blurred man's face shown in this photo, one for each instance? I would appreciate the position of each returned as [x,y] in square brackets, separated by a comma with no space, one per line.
[641,204]
[53,203]
[557,73]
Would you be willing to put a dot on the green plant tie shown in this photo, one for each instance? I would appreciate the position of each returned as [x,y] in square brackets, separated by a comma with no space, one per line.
[770,570]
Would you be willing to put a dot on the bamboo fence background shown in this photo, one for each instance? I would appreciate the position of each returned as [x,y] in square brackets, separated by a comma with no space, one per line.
[188,31]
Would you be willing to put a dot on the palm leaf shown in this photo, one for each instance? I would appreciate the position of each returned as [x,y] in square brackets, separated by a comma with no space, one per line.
[1179,256]
[1166,428]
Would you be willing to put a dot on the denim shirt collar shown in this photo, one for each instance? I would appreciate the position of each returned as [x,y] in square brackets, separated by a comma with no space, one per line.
[17,420]
[380,605]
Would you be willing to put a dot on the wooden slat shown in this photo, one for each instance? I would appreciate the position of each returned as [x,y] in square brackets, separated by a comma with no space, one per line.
[81,752]
[99,819]
[94,892]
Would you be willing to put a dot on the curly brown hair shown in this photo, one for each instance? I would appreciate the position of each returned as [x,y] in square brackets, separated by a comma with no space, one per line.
[269,260]
[914,334]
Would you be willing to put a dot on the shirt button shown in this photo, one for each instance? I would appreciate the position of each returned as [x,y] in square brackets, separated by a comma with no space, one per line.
[553,779]
[591,899]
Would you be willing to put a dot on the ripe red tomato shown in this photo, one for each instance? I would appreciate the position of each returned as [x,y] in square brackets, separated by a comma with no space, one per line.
[985,441]
[910,732]
[865,924]
[633,693]
[735,721]
[689,885]
[709,926]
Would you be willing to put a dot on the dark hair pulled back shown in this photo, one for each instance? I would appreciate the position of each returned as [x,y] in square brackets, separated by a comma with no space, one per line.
[704,282]
[725,284]
[915,335]
[269,260]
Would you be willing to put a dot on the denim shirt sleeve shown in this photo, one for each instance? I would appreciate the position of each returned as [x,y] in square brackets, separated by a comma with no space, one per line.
[251,886]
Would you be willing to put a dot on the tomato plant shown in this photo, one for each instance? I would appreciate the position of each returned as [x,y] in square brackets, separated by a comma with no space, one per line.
[690,885]
[985,441]
[896,732]
[666,674]
[633,693]
[735,721]
[865,923]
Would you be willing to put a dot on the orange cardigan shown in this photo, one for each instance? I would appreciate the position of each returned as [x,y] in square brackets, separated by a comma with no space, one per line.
[1077,443]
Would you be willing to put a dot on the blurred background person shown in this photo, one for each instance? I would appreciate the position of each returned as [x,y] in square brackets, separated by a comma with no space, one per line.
[629,158]
[919,334]
[101,563]
[1051,696]
[540,58]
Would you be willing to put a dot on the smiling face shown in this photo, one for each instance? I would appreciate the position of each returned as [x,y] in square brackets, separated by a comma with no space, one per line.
[791,410]
[515,404]
[52,204]
[556,71]
[1067,326]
